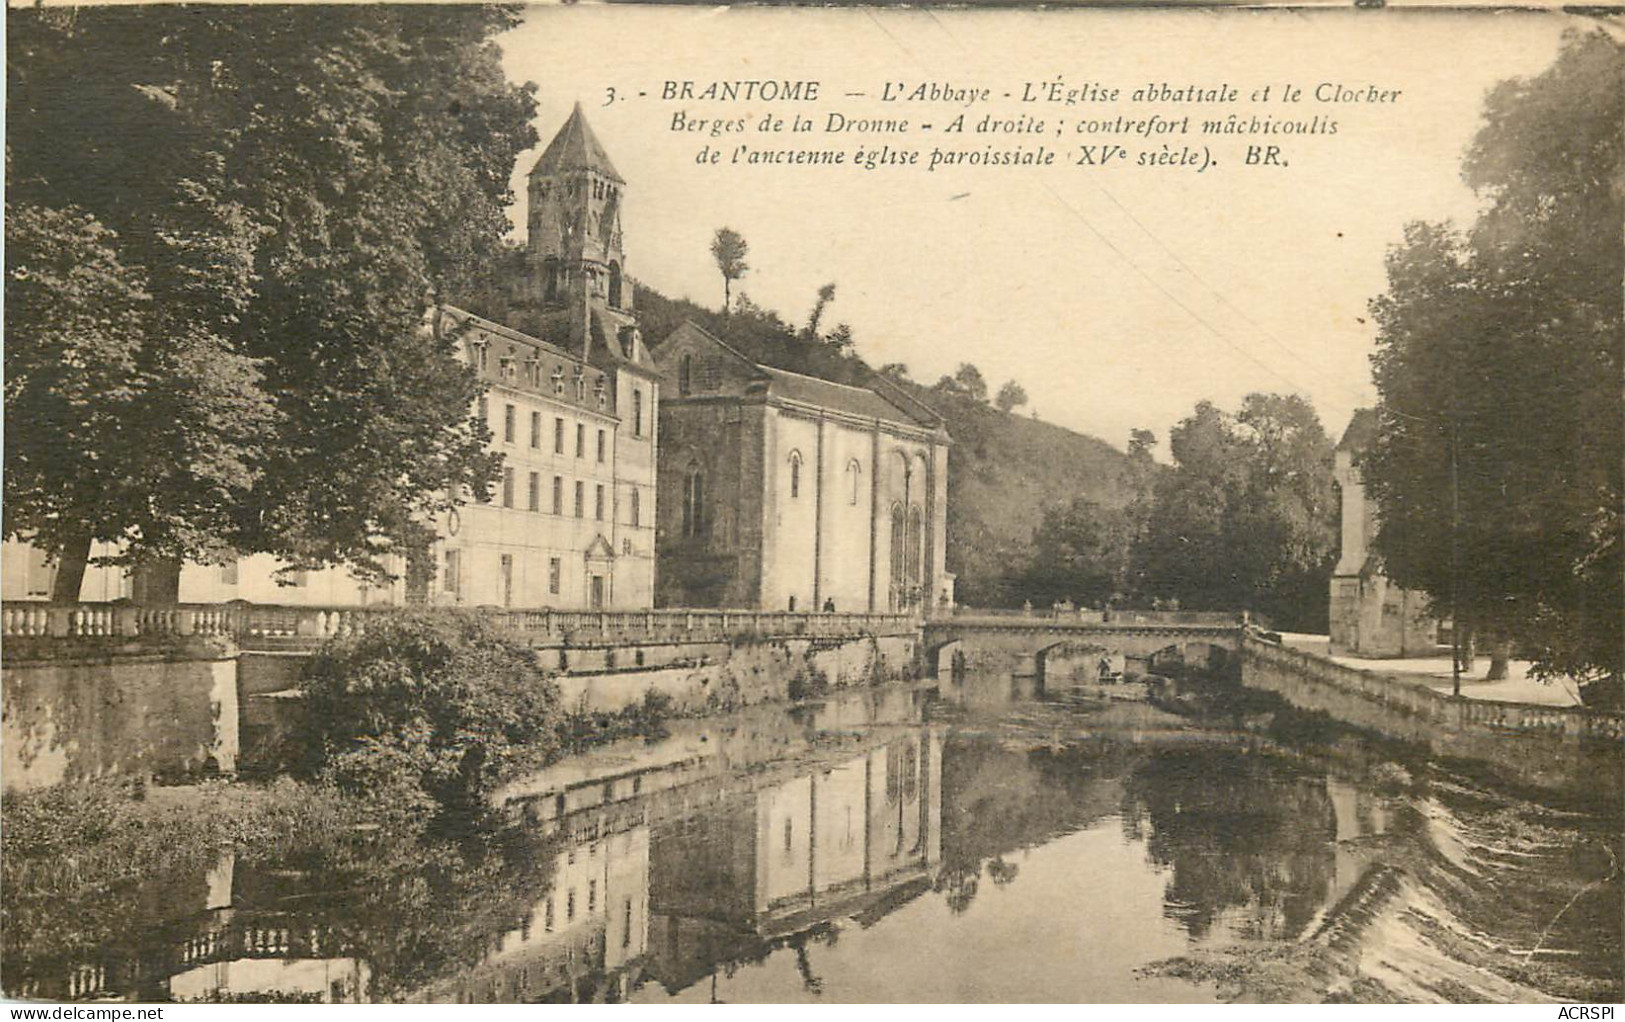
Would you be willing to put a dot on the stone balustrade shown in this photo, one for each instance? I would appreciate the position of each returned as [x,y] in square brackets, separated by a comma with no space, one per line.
[248,623]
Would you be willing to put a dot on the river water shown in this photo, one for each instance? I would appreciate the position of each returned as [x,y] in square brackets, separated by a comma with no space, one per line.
[973,843]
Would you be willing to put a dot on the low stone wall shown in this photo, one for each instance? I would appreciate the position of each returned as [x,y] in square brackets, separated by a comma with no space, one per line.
[1548,747]
[82,707]
[134,712]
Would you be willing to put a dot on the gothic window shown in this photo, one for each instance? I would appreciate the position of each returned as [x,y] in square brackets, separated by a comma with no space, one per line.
[685,376]
[854,479]
[795,475]
[615,284]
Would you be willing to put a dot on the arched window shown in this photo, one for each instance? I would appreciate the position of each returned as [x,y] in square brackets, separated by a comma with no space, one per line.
[912,568]
[685,376]
[615,284]
[694,502]
[854,479]
[899,547]
[795,474]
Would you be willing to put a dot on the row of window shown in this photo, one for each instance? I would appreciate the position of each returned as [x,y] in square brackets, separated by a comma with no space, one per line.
[511,367]
[510,428]
[854,478]
[451,580]
[533,497]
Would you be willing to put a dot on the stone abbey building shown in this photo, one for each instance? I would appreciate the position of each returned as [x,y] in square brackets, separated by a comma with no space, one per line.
[784,492]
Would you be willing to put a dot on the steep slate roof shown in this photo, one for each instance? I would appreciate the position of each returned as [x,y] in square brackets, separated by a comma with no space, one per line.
[1362,430]
[575,147]
[835,396]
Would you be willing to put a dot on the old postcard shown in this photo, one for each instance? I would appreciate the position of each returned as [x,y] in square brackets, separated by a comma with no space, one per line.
[798,505]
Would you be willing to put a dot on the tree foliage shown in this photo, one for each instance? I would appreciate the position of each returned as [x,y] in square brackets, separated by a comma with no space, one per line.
[967,382]
[1503,345]
[270,203]
[438,698]
[1246,518]
[1010,397]
[1079,553]
[729,249]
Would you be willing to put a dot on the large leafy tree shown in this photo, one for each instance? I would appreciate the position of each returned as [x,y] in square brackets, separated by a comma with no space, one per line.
[1500,353]
[1080,553]
[266,204]
[1246,519]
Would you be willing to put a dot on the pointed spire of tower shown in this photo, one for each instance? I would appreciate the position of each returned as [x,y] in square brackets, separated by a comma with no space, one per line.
[575,148]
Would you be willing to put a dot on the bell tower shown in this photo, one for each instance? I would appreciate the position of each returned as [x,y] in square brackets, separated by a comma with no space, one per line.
[574,246]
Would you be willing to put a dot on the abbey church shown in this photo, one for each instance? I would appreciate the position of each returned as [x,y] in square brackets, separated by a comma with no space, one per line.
[687,476]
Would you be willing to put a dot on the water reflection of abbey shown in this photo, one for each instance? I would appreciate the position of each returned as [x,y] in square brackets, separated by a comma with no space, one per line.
[667,895]
[730,841]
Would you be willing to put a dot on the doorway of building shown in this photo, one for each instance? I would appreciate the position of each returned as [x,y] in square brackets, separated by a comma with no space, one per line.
[598,592]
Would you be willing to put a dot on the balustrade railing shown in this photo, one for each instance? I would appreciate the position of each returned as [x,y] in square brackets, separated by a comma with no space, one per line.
[254,622]
[1088,616]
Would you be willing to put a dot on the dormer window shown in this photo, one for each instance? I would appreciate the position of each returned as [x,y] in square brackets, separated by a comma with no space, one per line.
[558,380]
[602,391]
[533,371]
[581,384]
[478,353]
[506,364]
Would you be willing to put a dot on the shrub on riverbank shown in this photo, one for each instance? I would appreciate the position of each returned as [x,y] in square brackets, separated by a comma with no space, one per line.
[437,706]
[585,728]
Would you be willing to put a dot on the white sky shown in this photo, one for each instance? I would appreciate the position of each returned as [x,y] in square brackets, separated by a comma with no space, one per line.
[1117,298]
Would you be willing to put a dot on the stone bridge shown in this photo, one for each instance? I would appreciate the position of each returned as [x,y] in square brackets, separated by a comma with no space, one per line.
[1066,649]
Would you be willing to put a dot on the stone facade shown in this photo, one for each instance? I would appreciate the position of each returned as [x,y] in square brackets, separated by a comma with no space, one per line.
[1370,616]
[785,492]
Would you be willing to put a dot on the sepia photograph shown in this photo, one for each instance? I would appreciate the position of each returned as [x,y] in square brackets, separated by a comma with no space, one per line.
[652,504]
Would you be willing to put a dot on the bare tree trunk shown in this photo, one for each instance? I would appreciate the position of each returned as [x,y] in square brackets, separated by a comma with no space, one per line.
[70,570]
[157,582]
[1500,655]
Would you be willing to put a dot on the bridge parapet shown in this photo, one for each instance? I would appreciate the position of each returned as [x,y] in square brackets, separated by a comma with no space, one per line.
[43,627]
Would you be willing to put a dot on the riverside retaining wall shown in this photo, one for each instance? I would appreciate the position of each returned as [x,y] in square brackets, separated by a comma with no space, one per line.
[1543,746]
[137,713]
[80,707]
